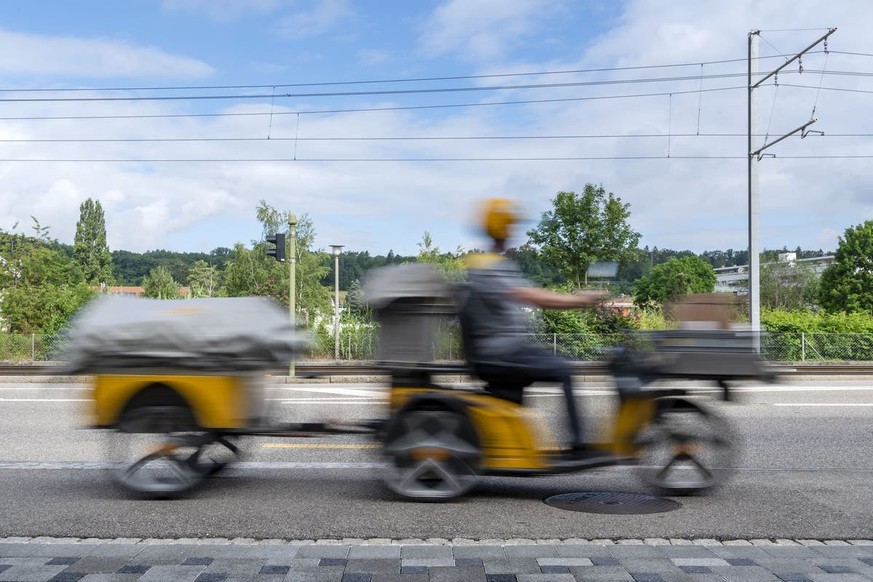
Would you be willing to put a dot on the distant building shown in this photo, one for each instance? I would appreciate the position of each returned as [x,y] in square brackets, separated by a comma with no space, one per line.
[184,292]
[620,305]
[735,279]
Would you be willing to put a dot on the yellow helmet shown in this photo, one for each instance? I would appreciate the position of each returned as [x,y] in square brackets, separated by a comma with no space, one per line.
[498,214]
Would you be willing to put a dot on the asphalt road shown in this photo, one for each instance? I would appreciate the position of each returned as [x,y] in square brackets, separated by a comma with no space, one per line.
[804,472]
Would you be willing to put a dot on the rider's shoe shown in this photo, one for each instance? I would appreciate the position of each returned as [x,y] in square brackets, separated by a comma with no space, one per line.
[584,455]
[585,452]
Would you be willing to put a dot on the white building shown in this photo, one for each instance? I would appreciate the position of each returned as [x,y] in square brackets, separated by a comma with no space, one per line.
[735,279]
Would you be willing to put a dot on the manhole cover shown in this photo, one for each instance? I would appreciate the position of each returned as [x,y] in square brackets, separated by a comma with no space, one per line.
[610,502]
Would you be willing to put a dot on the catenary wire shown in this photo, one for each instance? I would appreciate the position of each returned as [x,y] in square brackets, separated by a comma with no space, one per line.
[433,90]
[455,159]
[600,83]
[378,81]
[362,109]
[405,138]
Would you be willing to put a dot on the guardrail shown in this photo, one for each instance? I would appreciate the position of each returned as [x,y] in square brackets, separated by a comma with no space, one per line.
[362,345]
[310,369]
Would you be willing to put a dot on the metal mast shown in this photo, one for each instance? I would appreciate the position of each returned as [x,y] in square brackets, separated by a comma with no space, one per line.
[754,155]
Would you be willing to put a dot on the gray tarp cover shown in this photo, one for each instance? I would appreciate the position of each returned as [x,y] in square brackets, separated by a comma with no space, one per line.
[398,282]
[216,334]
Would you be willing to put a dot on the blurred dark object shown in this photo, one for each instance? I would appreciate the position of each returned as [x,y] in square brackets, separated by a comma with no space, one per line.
[407,301]
[717,356]
[602,270]
[704,311]
[216,334]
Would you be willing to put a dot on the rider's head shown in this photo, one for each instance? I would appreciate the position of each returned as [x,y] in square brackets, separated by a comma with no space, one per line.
[498,216]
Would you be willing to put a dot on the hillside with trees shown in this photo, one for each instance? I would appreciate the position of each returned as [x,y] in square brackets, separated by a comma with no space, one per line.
[43,281]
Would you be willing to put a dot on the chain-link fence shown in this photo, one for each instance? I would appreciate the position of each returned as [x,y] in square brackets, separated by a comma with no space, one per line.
[32,347]
[817,347]
[362,343]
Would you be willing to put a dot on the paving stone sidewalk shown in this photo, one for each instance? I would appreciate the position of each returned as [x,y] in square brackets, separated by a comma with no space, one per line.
[40,559]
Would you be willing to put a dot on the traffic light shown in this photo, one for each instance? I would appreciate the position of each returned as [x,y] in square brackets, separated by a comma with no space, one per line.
[279,252]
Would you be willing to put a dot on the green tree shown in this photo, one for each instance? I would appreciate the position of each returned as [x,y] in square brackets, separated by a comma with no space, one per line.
[129,268]
[355,299]
[252,272]
[41,287]
[203,280]
[788,286]
[584,228]
[678,276]
[847,283]
[449,264]
[90,250]
[159,284]
[528,260]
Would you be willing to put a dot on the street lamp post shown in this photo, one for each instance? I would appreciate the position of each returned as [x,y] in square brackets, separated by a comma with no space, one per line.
[336,250]
[292,279]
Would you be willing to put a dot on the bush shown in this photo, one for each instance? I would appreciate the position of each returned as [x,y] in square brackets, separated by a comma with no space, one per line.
[796,335]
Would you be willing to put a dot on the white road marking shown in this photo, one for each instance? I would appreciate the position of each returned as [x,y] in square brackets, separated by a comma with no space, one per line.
[369,393]
[45,399]
[284,465]
[243,466]
[337,446]
[862,404]
[326,401]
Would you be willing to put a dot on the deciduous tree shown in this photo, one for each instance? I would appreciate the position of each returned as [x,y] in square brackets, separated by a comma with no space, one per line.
[203,280]
[676,277]
[584,228]
[159,284]
[449,264]
[788,286]
[252,272]
[847,284]
[41,287]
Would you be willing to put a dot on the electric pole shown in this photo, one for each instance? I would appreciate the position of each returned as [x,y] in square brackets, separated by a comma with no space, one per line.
[755,155]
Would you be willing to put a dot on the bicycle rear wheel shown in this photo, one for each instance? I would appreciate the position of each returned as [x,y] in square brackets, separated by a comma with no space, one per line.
[686,449]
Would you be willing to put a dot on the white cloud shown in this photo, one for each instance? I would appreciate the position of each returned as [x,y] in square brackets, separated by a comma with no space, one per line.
[482,30]
[676,203]
[321,17]
[66,57]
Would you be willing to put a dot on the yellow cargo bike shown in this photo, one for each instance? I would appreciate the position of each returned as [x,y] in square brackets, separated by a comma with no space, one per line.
[440,440]
[178,384]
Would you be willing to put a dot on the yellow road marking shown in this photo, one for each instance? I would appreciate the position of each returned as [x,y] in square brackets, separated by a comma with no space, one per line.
[317,446]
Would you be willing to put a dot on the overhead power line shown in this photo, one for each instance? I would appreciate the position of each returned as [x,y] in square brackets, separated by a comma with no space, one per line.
[408,159]
[433,90]
[405,138]
[817,88]
[423,91]
[379,81]
[365,109]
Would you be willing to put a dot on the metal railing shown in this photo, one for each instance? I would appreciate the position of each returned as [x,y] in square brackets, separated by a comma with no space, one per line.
[363,343]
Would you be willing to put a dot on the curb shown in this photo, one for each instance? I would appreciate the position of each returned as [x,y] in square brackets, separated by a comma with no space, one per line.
[443,541]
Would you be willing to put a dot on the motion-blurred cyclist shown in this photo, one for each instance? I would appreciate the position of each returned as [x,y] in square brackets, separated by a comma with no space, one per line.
[496,329]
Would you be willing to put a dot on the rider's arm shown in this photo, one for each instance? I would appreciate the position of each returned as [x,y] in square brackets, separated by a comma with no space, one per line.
[551,300]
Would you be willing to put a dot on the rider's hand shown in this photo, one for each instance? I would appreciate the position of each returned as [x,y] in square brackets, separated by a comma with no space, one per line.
[593,296]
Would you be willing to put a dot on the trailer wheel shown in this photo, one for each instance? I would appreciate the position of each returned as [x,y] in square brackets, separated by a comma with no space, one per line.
[159,450]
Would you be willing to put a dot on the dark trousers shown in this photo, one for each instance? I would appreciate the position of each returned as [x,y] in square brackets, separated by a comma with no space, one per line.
[508,376]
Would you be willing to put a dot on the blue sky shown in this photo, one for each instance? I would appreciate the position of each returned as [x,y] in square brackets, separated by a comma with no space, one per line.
[528,117]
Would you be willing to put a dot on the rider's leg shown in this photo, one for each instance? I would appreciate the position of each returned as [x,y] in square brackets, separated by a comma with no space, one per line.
[540,365]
